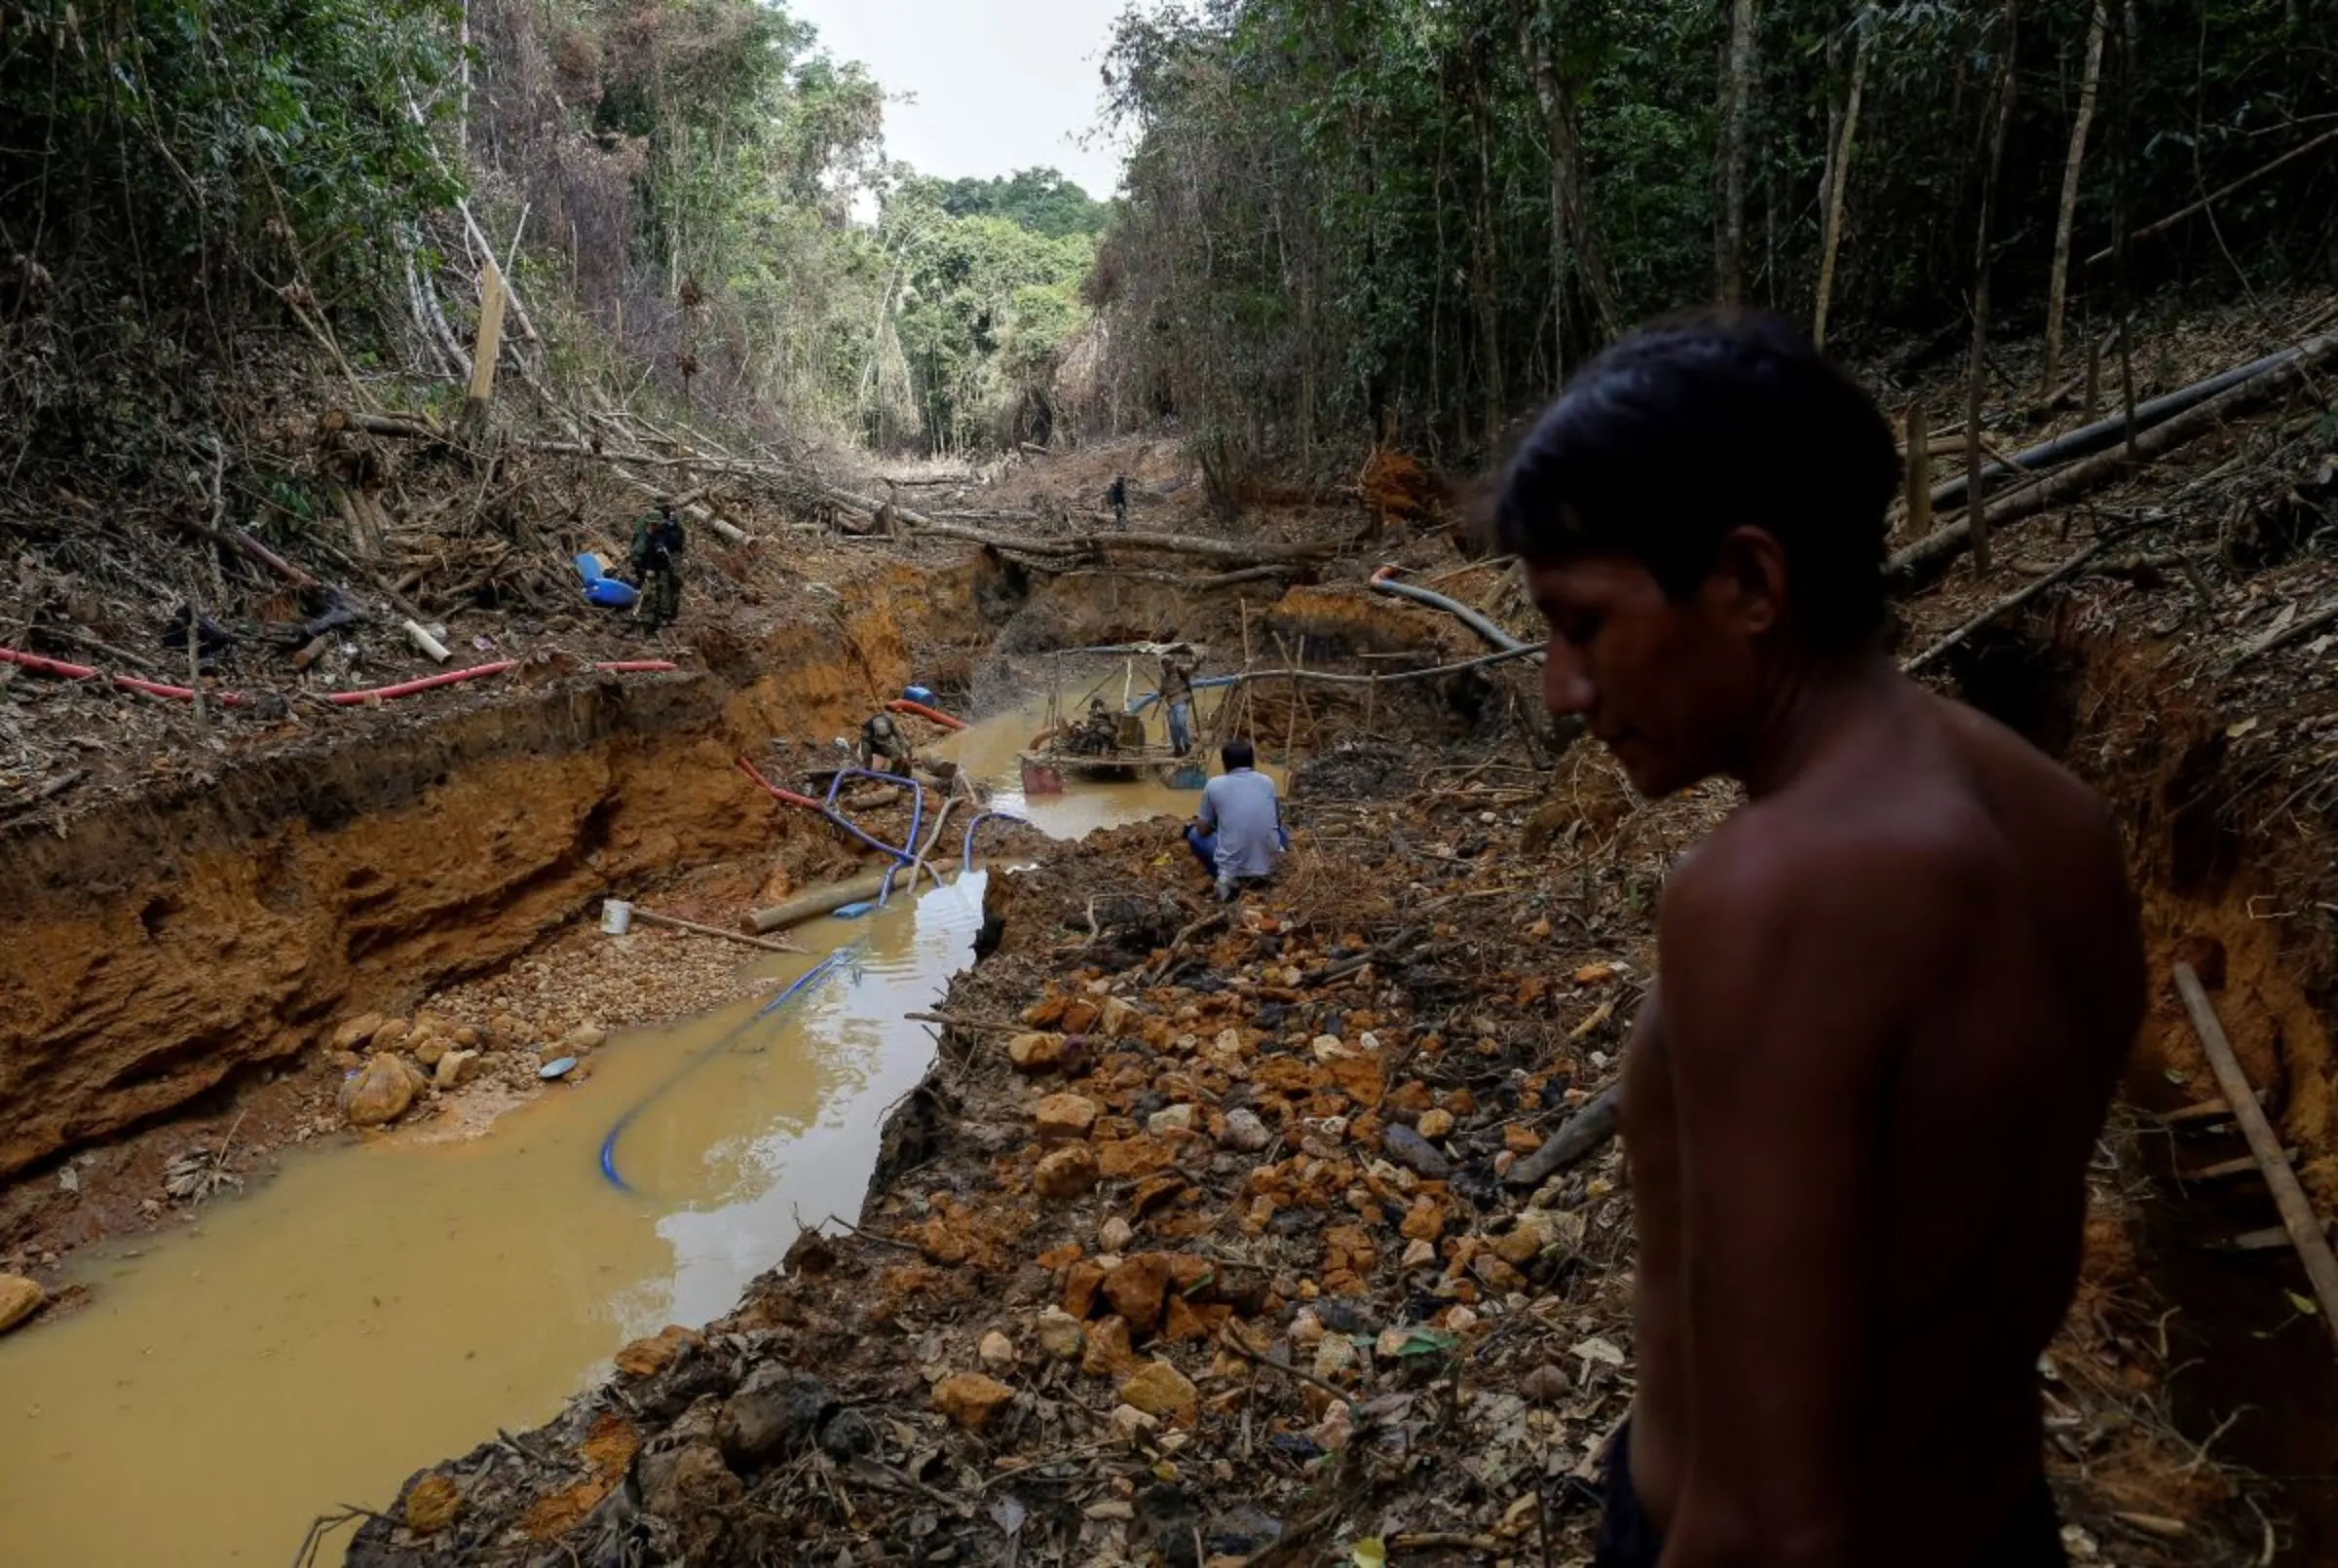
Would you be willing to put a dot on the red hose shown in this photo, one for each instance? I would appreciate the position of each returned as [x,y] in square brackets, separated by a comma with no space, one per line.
[777,793]
[47,666]
[428,683]
[904,705]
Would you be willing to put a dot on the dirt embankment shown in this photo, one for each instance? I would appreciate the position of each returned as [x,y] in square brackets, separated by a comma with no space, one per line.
[168,944]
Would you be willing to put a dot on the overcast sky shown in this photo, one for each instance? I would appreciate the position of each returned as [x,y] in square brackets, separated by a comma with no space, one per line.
[1000,84]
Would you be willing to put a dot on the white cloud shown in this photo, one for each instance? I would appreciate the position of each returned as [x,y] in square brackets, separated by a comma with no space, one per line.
[1000,84]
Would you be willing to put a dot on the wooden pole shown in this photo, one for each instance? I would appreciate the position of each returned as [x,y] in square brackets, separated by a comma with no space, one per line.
[692,926]
[490,344]
[2297,1213]
[1919,472]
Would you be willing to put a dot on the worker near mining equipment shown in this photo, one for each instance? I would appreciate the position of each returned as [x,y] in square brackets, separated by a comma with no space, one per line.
[1115,496]
[1237,831]
[1096,735]
[655,558]
[1177,700]
[1914,935]
[882,741]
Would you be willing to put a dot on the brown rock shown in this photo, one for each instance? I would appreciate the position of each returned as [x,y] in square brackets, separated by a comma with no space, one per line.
[457,1069]
[353,1034]
[432,1503]
[470,1039]
[1047,1014]
[1135,1290]
[1108,1353]
[390,1035]
[1183,1322]
[1495,1275]
[1115,1235]
[970,1399]
[1119,1020]
[428,1048]
[1036,1052]
[381,1092]
[1132,1157]
[1081,1286]
[1436,1124]
[1160,1390]
[1065,1116]
[1067,1173]
[505,1031]
[1520,1139]
[1060,1334]
[19,1299]
[1547,1384]
[1078,1017]
[1523,1245]
[996,1351]
[647,1358]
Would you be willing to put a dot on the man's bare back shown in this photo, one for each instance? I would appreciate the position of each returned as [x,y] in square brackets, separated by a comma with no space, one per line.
[1895,988]
[1893,1002]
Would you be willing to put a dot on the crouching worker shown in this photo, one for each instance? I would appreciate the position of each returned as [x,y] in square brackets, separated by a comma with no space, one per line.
[1238,833]
[885,749]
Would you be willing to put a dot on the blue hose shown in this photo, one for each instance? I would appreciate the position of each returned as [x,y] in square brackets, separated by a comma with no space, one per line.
[803,982]
[916,810]
[981,817]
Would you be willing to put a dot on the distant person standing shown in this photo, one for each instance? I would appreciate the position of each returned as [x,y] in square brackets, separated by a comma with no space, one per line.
[1177,700]
[1237,834]
[1115,496]
[658,544]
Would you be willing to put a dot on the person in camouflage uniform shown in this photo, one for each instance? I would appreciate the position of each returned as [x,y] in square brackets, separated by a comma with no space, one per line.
[658,546]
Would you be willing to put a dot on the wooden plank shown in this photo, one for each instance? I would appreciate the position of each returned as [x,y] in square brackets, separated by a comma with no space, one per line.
[491,335]
[2297,1213]
[1919,472]
[2226,1170]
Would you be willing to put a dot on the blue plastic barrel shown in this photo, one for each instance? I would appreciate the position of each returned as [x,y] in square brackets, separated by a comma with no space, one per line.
[918,693]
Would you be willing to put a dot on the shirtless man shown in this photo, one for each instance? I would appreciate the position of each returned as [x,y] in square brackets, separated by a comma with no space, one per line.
[1896,985]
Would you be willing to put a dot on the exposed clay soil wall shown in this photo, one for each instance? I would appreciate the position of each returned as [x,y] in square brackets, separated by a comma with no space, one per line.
[166,943]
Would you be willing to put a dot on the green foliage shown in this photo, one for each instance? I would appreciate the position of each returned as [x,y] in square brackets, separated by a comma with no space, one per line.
[985,307]
[1040,200]
[1341,217]
[190,148]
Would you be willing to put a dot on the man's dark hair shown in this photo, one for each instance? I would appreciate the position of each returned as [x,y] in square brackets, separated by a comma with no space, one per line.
[1238,753]
[1699,423]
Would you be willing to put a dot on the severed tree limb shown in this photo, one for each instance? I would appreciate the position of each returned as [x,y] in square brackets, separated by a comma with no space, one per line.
[2010,603]
[2297,1212]
[1583,1134]
[1925,560]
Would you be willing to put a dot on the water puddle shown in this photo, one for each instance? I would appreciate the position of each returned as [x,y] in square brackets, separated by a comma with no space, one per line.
[372,1309]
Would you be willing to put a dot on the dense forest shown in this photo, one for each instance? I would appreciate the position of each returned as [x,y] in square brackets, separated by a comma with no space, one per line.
[1345,221]
[690,194]
[1358,218]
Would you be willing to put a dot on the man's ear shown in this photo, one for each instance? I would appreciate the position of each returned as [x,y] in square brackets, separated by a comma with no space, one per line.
[1751,571]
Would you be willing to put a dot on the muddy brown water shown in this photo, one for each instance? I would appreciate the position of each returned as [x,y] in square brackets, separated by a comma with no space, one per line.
[375,1307]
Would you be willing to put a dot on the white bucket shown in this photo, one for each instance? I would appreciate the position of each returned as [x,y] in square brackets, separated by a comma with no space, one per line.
[616,916]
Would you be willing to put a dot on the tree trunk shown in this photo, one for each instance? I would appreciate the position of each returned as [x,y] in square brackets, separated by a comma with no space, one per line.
[1570,223]
[1489,322]
[1737,89]
[1839,180]
[1976,490]
[2058,290]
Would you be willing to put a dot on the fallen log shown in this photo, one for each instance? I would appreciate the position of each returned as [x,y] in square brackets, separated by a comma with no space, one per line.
[821,901]
[692,926]
[2010,603]
[2297,1213]
[1583,1134]
[2103,434]
[1923,561]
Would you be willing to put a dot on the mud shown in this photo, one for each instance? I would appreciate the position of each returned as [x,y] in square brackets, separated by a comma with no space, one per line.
[179,939]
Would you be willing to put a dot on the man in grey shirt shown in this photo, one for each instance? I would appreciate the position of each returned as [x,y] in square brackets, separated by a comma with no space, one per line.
[1237,834]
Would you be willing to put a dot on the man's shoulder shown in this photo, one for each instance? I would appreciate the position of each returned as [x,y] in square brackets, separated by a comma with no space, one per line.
[1809,865]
